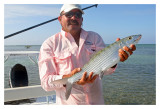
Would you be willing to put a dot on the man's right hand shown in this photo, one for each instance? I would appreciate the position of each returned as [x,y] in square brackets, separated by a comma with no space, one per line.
[73,72]
[84,79]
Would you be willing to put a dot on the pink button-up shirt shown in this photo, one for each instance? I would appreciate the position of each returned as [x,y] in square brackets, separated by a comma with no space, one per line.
[59,55]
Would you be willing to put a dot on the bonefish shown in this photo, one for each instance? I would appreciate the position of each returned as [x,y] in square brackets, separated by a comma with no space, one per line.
[100,61]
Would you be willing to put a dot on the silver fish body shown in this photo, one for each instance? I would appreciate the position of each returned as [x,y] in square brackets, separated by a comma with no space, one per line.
[100,61]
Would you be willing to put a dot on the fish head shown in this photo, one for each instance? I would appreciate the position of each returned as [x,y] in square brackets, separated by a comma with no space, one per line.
[134,39]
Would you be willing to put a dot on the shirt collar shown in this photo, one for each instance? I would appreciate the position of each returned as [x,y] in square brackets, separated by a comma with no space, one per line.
[65,34]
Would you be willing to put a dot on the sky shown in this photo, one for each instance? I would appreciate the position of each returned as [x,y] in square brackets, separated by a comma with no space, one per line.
[110,21]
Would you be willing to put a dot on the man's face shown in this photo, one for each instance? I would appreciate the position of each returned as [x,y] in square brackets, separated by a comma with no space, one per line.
[71,24]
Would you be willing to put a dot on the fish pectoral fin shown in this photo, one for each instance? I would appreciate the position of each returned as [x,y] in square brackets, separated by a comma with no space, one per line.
[102,72]
[68,89]
[101,75]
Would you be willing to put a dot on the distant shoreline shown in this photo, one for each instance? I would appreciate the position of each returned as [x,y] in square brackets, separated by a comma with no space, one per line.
[40,45]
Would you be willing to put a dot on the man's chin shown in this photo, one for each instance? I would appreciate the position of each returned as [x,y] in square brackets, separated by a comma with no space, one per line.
[76,29]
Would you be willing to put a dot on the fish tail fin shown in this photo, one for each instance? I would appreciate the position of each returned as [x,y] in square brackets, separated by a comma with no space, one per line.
[68,89]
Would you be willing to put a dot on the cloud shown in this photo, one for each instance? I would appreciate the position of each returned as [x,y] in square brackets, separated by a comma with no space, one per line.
[14,11]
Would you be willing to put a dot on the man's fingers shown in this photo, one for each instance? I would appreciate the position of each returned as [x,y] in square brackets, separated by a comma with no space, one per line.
[82,81]
[84,77]
[90,76]
[128,50]
[123,52]
[88,79]
[76,70]
[117,39]
[123,55]
[94,77]
[133,47]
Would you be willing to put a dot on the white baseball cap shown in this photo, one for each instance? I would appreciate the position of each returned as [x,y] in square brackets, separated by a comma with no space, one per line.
[69,7]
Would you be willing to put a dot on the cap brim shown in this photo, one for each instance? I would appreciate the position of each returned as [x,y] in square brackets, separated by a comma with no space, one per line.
[67,10]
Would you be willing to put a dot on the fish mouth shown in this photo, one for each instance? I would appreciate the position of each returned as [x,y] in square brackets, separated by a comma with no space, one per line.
[138,38]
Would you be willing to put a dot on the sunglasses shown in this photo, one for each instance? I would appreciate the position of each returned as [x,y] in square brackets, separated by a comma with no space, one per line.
[71,14]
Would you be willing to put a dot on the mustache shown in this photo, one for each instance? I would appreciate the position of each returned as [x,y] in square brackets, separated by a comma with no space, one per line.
[73,22]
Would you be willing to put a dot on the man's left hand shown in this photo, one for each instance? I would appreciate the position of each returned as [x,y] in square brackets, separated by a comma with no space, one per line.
[122,54]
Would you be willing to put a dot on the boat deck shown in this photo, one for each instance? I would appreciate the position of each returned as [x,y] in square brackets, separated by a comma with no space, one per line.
[34,95]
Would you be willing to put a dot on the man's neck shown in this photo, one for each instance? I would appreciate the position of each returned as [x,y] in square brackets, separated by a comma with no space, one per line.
[76,37]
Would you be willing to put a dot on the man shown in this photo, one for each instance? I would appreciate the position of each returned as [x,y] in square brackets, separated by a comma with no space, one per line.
[65,53]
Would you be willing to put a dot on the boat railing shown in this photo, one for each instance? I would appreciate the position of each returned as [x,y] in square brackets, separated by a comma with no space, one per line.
[11,94]
[7,54]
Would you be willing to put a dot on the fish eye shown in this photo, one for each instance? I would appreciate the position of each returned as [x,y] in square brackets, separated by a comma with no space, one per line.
[130,38]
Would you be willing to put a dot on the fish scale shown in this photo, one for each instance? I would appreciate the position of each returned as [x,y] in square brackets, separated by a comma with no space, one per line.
[100,61]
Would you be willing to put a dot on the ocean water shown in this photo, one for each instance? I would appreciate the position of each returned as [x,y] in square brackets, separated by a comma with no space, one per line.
[134,81]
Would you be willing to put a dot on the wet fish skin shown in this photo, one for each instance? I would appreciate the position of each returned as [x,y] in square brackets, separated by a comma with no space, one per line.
[101,61]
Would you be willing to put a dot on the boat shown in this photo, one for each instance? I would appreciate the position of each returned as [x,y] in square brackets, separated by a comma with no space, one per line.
[19,91]
[27,46]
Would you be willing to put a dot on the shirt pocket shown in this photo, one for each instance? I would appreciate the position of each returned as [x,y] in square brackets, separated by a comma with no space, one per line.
[90,51]
[63,62]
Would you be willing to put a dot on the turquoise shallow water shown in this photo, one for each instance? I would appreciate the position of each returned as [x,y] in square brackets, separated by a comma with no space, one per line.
[134,81]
